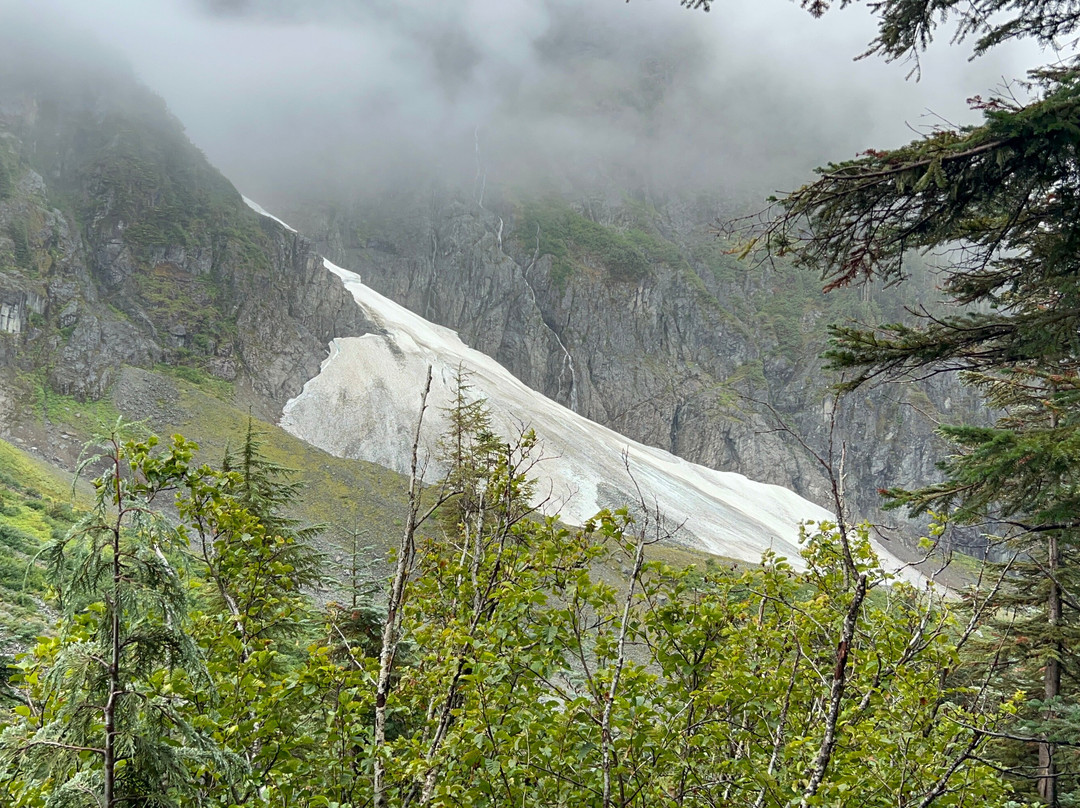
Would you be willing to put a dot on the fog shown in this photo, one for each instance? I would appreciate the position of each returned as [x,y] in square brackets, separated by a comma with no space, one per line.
[343,97]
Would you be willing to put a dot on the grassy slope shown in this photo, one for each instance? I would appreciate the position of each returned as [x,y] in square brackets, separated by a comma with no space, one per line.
[36,498]
[35,506]
[339,492]
[342,494]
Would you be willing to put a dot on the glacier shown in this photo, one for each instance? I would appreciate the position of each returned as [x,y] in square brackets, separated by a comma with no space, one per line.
[365,400]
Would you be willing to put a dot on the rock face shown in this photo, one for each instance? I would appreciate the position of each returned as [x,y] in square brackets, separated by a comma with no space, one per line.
[363,404]
[120,246]
[633,315]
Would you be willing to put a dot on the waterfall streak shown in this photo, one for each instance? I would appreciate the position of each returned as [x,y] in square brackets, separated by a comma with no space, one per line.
[568,359]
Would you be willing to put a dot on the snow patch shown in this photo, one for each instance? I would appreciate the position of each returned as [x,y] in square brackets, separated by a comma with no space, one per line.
[251,203]
[364,402]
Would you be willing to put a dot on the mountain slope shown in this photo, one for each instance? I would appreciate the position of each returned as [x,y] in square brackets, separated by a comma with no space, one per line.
[121,245]
[365,401]
[35,507]
[629,310]
[125,248]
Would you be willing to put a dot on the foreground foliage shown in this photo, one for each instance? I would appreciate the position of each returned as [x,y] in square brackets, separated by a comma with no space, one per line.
[192,667]
[98,720]
[997,206]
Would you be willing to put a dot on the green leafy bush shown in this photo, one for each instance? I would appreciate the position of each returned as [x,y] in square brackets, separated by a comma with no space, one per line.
[570,238]
[18,231]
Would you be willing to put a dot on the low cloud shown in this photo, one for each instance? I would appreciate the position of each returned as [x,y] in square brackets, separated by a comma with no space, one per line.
[337,98]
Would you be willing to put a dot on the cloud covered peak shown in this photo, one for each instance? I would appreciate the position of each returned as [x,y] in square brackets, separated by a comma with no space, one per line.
[332,97]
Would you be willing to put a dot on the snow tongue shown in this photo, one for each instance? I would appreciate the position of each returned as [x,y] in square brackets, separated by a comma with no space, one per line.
[363,404]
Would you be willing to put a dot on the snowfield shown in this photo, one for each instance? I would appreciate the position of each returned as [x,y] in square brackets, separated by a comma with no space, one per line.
[365,400]
[255,206]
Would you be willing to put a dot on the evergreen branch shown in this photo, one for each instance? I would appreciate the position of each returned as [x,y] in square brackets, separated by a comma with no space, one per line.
[65,746]
[890,173]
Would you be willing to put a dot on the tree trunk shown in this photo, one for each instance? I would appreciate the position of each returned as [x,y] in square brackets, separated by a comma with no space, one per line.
[836,694]
[392,624]
[109,711]
[620,662]
[110,715]
[1052,678]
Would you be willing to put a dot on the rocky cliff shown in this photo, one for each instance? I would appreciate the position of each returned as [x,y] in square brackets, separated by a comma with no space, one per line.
[632,312]
[120,245]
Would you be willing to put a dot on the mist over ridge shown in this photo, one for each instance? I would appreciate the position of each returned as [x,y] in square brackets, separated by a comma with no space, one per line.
[339,98]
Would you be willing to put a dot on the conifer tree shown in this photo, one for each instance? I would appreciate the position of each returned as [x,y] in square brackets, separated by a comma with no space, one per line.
[471,451]
[256,565]
[101,725]
[998,204]
[7,186]
[268,489]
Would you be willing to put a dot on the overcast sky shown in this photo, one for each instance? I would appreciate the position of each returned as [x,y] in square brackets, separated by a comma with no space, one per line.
[339,94]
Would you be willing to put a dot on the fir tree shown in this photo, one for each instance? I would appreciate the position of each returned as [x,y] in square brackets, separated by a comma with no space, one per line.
[258,559]
[256,565]
[471,451]
[7,184]
[999,203]
[101,725]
